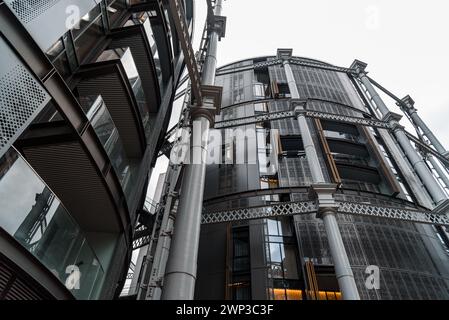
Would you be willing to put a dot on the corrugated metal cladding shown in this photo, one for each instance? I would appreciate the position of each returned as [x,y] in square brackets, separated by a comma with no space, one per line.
[141,59]
[76,179]
[111,88]
[17,287]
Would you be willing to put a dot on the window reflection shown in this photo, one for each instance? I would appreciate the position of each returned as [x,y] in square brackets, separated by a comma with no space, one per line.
[142,18]
[281,255]
[127,61]
[35,217]
[107,132]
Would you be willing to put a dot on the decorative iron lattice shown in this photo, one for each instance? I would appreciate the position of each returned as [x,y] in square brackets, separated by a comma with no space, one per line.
[254,119]
[353,208]
[255,66]
[291,114]
[296,61]
[348,119]
[323,66]
[362,209]
[140,242]
[129,275]
[284,209]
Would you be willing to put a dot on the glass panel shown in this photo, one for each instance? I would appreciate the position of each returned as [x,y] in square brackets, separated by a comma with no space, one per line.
[115,10]
[85,21]
[88,39]
[33,215]
[154,50]
[55,50]
[275,252]
[294,294]
[127,61]
[107,132]
[279,294]
[275,271]
[241,264]
[272,227]
[169,35]
[134,80]
[285,227]
[143,19]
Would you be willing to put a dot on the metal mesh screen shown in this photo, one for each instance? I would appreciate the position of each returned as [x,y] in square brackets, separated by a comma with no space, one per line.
[28,10]
[21,98]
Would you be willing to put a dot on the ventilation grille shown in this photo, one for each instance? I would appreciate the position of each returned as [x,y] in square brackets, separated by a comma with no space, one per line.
[28,10]
[21,97]
[14,286]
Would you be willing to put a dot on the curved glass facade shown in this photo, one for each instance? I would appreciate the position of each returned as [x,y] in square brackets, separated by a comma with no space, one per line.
[36,218]
[290,256]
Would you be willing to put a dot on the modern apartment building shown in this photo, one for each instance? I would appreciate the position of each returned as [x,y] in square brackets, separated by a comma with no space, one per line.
[86,93]
[317,144]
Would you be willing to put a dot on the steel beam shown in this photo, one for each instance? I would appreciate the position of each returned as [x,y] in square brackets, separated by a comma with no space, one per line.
[273,116]
[182,32]
[309,207]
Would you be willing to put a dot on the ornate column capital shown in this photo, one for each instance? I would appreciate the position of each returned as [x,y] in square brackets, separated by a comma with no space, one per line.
[298,106]
[359,67]
[408,104]
[393,119]
[324,195]
[284,54]
[211,104]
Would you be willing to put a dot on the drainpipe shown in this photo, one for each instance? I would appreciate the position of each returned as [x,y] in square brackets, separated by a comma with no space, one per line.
[180,273]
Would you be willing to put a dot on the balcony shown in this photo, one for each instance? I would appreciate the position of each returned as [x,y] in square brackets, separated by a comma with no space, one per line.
[80,166]
[107,132]
[137,34]
[114,76]
[33,215]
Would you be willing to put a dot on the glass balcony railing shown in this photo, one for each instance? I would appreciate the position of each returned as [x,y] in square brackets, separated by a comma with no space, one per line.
[127,61]
[143,18]
[37,219]
[104,126]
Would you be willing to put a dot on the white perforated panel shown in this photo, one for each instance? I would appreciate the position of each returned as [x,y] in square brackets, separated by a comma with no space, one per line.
[30,9]
[21,97]
[48,20]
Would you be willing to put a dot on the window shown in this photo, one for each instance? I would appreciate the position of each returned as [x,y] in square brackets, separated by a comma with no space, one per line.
[241,276]
[88,39]
[281,255]
[260,108]
[284,90]
[259,90]
[115,10]
[292,146]
[86,21]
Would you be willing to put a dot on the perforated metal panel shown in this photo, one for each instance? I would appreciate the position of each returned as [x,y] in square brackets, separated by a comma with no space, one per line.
[21,97]
[47,20]
[30,9]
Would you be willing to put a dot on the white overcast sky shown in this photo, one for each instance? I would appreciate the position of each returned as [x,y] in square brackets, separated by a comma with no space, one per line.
[405,44]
